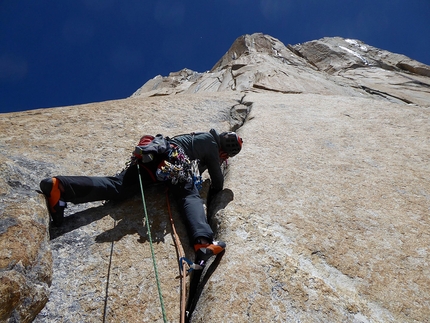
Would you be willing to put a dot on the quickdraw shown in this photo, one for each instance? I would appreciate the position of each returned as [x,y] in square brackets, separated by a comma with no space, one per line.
[191,265]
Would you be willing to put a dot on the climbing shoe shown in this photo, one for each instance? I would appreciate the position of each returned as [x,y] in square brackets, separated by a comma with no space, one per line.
[50,188]
[206,250]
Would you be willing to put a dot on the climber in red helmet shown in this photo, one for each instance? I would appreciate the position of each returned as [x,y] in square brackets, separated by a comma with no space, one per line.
[162,159]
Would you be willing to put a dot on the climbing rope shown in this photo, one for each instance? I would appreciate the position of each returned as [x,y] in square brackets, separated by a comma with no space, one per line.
[108,279]
[152,248]
[182,263]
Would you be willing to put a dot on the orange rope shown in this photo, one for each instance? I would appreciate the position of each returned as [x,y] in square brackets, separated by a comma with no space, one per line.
[183,264]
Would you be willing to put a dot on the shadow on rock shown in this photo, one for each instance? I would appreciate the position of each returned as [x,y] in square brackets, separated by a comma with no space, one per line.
[219,202]
[128,218]
[79,219]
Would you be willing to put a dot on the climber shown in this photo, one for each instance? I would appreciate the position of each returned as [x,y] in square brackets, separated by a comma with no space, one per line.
[169,160]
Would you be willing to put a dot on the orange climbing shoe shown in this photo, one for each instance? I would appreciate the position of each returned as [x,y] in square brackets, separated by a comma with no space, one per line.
[206,250]
[50,188]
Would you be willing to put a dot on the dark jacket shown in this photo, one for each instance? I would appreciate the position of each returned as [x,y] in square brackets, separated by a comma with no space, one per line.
[205,147]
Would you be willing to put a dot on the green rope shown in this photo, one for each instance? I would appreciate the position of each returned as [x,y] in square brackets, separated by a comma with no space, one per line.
[152,248]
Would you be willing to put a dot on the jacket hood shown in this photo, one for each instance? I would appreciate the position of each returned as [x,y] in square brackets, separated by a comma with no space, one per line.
[215,134]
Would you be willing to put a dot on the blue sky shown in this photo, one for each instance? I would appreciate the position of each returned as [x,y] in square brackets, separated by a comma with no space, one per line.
[60,53]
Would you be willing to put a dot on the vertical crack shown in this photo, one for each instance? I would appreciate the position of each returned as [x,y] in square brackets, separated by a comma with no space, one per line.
[239,112]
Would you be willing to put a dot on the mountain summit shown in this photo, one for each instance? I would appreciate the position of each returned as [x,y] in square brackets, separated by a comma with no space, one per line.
[331,66]
[324,211]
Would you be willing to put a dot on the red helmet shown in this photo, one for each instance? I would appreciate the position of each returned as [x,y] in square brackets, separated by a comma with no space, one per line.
[231,143]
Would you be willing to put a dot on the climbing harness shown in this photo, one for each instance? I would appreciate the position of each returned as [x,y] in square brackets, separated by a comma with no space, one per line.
[152,248]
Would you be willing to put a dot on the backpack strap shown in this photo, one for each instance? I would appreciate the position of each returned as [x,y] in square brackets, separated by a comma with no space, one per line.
[147,149]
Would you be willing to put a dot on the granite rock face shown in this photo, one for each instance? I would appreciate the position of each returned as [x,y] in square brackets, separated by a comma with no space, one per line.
[329,66]
[325,210]
[392,76]
[100,266]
